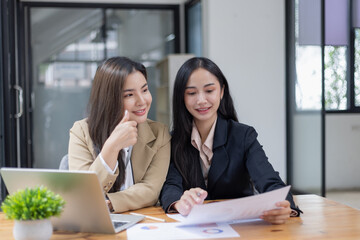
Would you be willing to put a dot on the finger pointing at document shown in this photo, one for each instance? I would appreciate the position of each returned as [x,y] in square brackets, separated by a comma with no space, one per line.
[190,198]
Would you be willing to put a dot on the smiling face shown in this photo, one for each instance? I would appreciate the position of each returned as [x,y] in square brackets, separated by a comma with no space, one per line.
[137,98]
[202,96]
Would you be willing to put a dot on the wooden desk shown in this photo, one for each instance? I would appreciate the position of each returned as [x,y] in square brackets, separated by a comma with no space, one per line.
[322,219]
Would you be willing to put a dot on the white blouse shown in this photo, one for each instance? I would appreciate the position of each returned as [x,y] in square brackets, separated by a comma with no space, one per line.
[125,155]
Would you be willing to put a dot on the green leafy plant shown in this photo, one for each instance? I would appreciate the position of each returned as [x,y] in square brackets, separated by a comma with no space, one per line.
[32,203]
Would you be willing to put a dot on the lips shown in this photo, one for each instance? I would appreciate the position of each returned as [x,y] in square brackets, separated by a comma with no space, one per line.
[203,110]
[140,112]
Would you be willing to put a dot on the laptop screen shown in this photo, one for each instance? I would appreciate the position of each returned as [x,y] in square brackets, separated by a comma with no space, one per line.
[85,208]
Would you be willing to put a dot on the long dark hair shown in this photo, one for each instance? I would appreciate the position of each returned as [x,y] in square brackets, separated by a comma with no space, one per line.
[105,105]
[183,154]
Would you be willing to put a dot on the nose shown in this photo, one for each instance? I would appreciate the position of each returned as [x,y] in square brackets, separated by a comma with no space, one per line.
[201,98]
[140,100]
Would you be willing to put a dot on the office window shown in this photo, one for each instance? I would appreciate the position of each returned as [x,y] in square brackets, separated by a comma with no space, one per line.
[305,96]
[333,49]
[335,78]
[308,73]
[357,67]
[307,55]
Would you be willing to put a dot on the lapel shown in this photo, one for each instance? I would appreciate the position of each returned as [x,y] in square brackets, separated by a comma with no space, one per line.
[142,153]
[220,160]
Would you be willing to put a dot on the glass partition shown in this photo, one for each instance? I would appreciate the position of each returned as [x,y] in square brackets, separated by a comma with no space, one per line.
[194,28]
[67,46]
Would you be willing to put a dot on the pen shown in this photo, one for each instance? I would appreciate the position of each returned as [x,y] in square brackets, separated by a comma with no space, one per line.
[150,217]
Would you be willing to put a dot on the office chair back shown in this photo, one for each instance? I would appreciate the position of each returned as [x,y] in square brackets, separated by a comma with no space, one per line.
[64,163]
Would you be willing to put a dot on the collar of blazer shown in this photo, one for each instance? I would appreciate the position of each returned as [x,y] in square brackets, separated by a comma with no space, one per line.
[221,132]
[220,160]
[142,153]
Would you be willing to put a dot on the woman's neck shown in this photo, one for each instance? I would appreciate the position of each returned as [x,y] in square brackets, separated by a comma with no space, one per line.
[204,128]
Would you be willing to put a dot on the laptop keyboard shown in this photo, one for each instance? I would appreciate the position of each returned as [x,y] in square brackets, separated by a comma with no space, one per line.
[118,224]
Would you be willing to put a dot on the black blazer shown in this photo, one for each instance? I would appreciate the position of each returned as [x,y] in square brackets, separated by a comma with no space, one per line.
[238,165]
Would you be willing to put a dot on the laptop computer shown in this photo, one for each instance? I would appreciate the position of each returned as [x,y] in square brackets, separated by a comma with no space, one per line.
[85,208]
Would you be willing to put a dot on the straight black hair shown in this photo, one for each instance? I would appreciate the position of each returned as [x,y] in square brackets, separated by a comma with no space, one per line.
[183,154]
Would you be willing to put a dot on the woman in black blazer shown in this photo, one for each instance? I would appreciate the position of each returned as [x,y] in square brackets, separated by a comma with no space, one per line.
[213,156]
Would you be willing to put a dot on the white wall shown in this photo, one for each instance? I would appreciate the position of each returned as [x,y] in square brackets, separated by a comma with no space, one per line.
[342,151]
[247,40]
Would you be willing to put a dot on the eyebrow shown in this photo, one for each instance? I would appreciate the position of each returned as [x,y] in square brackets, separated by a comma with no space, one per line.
[131,89]
[206,85]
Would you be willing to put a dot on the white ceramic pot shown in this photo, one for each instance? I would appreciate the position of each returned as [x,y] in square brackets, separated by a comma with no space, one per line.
[33,229]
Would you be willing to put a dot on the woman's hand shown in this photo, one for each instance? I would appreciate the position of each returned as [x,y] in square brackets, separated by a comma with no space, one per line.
[189,199]
[123,135]
[278,216]
[109,204]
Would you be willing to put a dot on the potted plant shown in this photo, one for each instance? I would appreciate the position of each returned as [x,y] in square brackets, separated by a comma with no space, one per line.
[31,209]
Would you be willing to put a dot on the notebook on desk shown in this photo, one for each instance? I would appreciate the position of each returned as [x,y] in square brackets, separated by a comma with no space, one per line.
[85,209]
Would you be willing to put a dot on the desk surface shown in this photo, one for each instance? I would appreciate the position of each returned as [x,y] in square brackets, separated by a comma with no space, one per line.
[322,219]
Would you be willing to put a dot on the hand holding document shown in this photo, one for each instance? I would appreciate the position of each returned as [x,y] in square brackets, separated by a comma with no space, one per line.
[236,209]
[206,221]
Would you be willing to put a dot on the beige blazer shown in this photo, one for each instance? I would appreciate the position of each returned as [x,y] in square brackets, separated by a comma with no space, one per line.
[150,159]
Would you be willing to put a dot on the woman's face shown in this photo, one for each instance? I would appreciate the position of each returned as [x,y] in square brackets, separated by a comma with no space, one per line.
[202,96]
[137,98]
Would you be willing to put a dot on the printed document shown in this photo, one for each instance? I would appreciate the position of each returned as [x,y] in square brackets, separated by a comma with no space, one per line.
[169,231]
[250,207]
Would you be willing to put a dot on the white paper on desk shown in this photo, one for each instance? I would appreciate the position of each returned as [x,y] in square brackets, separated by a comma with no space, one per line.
[180,218]
[169,231]
[241,208]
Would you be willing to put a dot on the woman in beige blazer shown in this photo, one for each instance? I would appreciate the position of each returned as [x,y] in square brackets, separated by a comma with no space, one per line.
[129,152]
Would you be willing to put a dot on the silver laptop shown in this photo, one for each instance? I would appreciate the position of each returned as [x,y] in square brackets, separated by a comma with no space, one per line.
[85,209]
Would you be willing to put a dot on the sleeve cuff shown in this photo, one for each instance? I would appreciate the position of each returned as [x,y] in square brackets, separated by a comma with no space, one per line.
[295,212]
[171,208]
[107,166]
